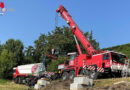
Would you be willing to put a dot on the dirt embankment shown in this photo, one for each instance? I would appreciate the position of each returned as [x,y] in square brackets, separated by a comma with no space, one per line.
[101,84]
[58,85]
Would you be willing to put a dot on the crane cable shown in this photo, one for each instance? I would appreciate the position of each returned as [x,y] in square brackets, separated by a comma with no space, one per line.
[56,20]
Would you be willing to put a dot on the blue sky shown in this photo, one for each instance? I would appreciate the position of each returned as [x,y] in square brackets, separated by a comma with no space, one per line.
[109,19]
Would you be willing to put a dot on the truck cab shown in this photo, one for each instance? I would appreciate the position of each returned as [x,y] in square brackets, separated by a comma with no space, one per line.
[70,62]
[119,61]
[114,62]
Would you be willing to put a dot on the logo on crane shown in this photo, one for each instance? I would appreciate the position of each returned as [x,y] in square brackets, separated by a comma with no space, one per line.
[3,9]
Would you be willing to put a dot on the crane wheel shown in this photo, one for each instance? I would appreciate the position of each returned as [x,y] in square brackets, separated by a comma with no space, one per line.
[93,74]
[71,75]
[84,72]
[65,76]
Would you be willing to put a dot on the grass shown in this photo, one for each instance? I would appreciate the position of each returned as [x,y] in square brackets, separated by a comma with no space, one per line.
[105,82]
[2,81]
[9,85]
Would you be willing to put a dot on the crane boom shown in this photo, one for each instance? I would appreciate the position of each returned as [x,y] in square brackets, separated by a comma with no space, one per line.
[76,31]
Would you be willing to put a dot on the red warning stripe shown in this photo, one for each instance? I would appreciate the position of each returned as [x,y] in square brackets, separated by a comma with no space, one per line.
[99,69]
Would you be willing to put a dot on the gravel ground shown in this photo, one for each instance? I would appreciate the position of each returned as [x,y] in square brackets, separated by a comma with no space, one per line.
[101,84]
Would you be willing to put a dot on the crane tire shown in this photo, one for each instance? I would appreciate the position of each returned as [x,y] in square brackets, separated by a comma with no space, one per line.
[65,76]
[93,74]
[71,75]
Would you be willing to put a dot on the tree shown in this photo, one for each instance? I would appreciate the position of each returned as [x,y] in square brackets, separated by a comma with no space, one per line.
[6,64]
[61,39]
[94,43]
[29,55]
[15,47]
[40,46]
[11,56]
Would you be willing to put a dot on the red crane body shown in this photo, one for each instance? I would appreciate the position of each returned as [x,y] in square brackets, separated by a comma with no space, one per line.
[76,31]
[96,62]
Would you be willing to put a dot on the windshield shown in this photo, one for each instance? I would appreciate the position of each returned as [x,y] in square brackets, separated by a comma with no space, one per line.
[72,57]
[118,58]
[14,70]
[106,56]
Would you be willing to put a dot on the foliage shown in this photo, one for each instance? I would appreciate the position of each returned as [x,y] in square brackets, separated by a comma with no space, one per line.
[39,49]
[6,63]
[29,54]
[11,56]
[53,65]
[15,47]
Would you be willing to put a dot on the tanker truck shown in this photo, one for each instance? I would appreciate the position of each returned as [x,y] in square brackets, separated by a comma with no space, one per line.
[29,74]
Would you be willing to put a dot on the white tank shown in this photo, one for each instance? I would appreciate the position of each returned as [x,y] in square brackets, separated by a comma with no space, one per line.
[28,69]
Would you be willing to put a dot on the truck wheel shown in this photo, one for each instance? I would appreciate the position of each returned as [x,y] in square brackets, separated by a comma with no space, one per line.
[71,75]
[27,82]
[123,74]
[54,77]
[93,74]
[20,80]
[65,76]
[16,80]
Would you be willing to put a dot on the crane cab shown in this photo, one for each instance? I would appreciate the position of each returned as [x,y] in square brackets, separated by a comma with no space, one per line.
[71,58]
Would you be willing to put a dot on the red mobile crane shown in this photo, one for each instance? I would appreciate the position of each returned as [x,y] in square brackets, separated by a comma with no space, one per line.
[93,63]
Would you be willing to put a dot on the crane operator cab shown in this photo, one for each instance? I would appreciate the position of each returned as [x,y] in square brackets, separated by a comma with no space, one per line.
[71,58]
[69,61]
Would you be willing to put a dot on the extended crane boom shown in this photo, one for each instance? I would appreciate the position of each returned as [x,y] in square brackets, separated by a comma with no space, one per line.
[76,31]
